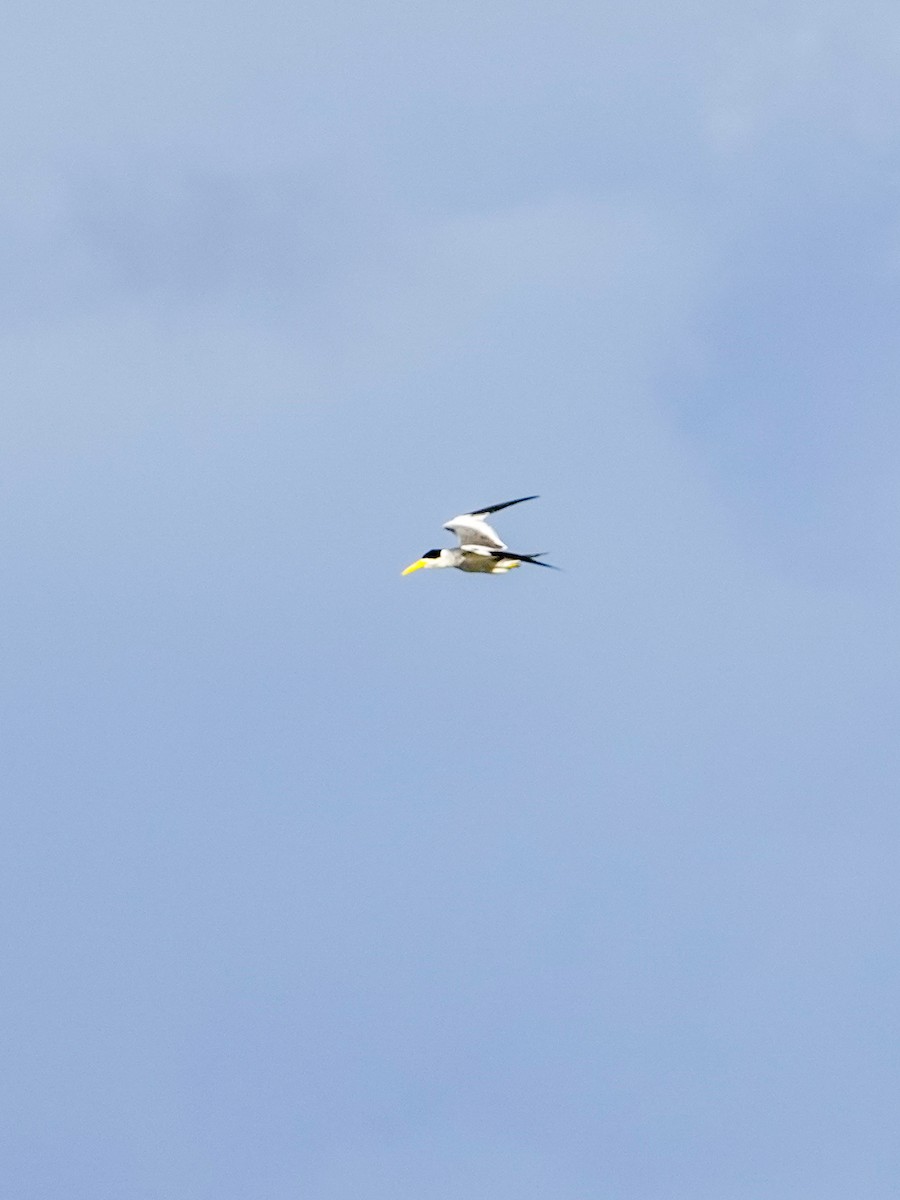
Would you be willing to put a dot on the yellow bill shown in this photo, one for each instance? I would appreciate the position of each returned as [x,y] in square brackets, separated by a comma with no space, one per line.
[416,566]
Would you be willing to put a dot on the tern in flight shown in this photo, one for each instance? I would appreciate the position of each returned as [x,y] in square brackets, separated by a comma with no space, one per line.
[479,549]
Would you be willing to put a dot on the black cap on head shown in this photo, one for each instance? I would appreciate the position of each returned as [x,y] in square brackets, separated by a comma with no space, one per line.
[432,554]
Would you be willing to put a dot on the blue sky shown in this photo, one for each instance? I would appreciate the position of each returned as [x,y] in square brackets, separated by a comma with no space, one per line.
[323,882]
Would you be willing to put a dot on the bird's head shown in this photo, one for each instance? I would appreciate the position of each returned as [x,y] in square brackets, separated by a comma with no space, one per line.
[431,558]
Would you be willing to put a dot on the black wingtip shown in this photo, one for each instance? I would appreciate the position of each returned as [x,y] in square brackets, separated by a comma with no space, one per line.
[527,558]
[492,508]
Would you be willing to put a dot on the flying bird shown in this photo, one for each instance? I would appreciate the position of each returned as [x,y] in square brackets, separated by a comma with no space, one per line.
[479,549]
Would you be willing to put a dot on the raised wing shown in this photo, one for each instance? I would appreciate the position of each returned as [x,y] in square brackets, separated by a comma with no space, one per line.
[473,530]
